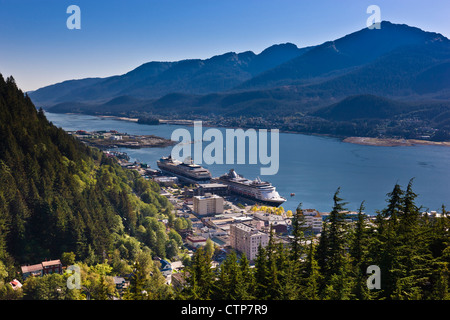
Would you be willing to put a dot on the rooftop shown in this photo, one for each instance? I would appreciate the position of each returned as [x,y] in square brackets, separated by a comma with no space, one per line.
[51,263]
[32,268]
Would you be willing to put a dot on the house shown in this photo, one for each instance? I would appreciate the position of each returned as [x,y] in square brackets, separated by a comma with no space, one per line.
[35,270]
[179,280]
[53,266]
[121,284]
[40,269]
[15,284]
[166,267]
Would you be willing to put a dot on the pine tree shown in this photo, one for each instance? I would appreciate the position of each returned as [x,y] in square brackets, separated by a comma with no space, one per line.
[136,290]
[201,276]
[312,277]
[358,252]
[333,239]
[261,274]
[298,233]
[246,288]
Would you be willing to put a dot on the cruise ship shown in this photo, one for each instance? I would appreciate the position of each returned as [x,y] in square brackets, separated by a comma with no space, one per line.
[186,172]
[260,191]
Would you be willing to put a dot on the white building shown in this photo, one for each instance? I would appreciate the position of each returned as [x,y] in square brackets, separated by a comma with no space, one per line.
[247,239]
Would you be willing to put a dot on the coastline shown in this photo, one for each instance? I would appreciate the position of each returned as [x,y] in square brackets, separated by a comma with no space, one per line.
[119,118]
[387,142]
[367,141]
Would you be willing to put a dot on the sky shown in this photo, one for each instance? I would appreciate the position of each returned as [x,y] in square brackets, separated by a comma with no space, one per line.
[116,36]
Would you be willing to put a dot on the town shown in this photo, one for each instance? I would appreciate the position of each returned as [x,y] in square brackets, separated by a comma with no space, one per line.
[104,139]
[216,218]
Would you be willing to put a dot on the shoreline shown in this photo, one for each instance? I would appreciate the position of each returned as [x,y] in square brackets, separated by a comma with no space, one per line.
[366,141]
[388,142]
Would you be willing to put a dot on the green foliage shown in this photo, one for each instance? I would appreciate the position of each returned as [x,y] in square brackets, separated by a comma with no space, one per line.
[62,199]
[412,251]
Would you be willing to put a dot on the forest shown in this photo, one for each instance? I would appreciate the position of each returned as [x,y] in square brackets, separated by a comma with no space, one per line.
[60,199]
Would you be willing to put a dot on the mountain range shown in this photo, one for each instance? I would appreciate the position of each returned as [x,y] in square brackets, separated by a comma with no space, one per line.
[394,65]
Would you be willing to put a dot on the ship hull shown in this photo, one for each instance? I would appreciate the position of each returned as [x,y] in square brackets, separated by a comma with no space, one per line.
[249,196]
[183,178]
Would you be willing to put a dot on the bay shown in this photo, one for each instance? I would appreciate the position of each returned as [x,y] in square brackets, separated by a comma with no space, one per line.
[313,167]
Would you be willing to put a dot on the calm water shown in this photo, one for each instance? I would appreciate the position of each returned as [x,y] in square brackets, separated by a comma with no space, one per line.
[314,167]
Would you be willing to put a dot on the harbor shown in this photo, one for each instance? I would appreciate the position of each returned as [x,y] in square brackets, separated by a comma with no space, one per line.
[111,139]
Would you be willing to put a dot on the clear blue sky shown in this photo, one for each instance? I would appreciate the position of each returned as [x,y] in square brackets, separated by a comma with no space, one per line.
[118,35]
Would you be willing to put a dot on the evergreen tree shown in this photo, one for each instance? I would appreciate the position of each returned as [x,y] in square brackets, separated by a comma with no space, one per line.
[201,277]
[312,278]
[246,288]
[333,240]
[358,252]
[261,274]
[136,290]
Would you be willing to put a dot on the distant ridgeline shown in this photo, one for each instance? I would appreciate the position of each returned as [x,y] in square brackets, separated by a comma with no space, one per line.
[387,82]
[58,195]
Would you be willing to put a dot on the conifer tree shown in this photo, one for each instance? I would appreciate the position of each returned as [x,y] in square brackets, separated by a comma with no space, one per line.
[333,240]
[201,276]
[358,252]
[312,278]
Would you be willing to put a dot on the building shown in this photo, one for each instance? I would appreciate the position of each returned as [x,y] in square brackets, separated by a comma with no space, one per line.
[165,181]
[247,239]
[166,268]
[15,284]
[313,220]
[53,266]
[213,188]
[195,241]
[179,280]
[208,204]
[35,270]
[121,284]
[45,267]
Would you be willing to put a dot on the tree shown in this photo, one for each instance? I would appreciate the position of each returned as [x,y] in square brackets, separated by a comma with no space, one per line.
[229,278]
[68,258]
[298,233]
[358,253]
[136,290]
[312,277]
[201,277]
[209,248]
[246,288]
[261,274]
[333,240]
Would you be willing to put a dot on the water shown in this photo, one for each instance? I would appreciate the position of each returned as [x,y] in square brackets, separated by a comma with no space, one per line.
[314,167]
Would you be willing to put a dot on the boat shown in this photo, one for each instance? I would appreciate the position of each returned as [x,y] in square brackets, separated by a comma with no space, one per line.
[257,190]
[292,194]
[187,171]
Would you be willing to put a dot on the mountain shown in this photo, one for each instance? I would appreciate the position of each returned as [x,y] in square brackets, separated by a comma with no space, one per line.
[155,79]
[386,67]
[340,55]
[362,107]
[58,195]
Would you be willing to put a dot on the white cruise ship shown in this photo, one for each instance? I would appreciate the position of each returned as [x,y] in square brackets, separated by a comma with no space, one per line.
[260,191]
[186,172]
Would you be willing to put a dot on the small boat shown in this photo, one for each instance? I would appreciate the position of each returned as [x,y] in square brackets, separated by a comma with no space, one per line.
[292,194]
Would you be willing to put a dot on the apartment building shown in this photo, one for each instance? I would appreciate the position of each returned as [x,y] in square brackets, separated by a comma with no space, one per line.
[208,204]
[247,239]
